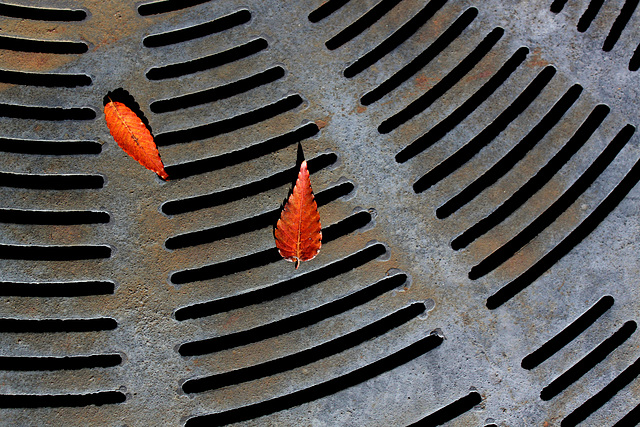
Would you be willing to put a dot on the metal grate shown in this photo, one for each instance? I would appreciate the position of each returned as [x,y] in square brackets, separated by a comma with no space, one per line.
[475,164]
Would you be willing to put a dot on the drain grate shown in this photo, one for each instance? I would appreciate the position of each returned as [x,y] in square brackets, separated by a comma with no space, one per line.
[475,165]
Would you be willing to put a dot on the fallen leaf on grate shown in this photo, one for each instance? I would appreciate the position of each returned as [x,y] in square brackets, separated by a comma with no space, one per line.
[298,234]
[133,136]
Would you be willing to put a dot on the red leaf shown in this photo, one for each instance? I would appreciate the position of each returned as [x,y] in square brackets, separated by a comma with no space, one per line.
[133,136]
[298,234]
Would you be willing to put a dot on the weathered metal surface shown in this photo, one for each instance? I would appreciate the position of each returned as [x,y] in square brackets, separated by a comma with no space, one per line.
[375,224]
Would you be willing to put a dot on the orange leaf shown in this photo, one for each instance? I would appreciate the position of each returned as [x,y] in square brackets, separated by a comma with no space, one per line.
[133,136]
[298,234]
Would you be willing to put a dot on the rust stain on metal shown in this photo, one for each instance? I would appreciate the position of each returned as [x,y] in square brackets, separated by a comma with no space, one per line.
[322,123]
[536,60]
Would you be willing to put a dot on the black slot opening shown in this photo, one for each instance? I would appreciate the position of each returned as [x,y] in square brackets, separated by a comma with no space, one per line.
[45,113]
[451,411]
[44,79]
[25,363]
[326,9]
[634,62]
[51,182]
[589,15]
[41,13]
[558,5]
[23,216]
[361,24]
[576,236]
[588,177]
[487,135]
[517,153]
[210,164]
[192,204]
[447,82]
[165,6]
[217,93]
[42,46]
[267,256]
[54,253]
[247,225]
[568,334]
[60,289]
[620,23]
[57,325]
[424,58]
[61,400]
[588,362]
[197,31]
[278,290]
[631,419]
[286,325]
[56,148]
[541,178]
[395,39]
[305,357]
[318,391]
[207,62]
[596,401]
[231,124]
[469,106]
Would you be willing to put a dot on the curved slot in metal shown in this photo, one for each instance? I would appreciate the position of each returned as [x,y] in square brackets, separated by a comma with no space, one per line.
[267,256]
[217,25]
[53,363]
[61,400]
[248,225]
[280,289]
[24,216]
[424,58]
[488,134]
[451,79]
[568,334]
[42,46]
[515,155]
[308,356]
[207,62]
[589,15]
[56,289]
[320,390]
[558,5]
[41,13]
[44,79]
[164,6]
[588,362]
[578,234]
[619,25]
[326,9]
[54,253]
[451,411]
[361,24]
[596,401]
[46,113]
[51,181]
[231,124]
[210,164]
[283,326]
[535,183]
[634,62]
[463,111]
[17,326]
[50,147]
[588,177]
[191,204]
[217,93]
[394,40]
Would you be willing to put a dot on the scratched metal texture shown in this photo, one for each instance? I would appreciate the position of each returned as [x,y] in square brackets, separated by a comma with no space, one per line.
[468,371]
